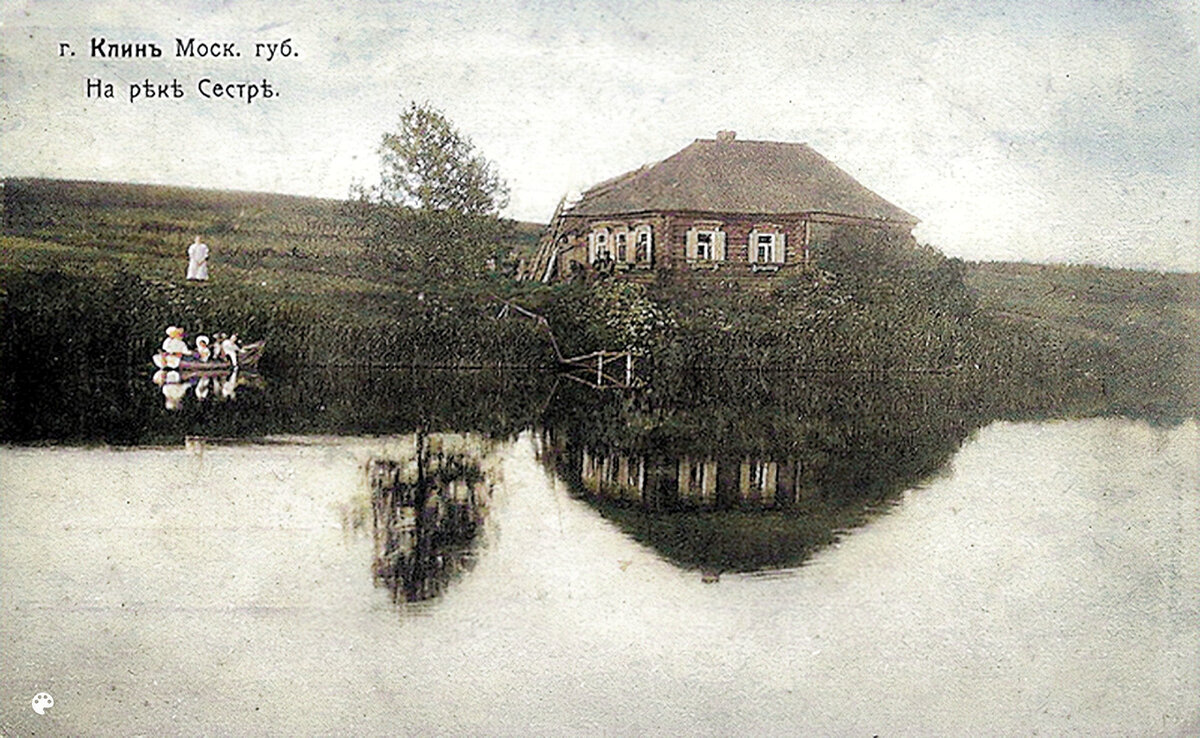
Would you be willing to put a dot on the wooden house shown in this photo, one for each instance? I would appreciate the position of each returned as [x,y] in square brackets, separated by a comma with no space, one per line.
[747,209]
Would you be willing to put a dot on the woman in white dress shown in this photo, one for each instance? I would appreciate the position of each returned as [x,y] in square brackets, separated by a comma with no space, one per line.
[198,260]
[174,343]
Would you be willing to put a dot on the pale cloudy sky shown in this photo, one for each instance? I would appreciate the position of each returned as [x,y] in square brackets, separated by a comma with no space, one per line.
[1034,130]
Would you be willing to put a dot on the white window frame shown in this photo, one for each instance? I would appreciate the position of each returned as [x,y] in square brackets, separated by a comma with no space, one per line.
[697,480]
[639,231]
[716,251]
[764,242]
[777,253]
[599,244]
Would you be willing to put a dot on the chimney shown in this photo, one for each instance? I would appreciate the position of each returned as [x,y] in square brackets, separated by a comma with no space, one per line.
[726,136]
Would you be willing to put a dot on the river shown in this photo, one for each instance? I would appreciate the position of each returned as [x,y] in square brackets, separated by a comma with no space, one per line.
[1027,577]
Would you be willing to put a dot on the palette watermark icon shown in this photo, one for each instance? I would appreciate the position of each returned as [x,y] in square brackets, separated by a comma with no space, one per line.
[42,701]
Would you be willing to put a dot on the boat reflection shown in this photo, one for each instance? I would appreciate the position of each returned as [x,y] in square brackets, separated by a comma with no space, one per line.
[176,385]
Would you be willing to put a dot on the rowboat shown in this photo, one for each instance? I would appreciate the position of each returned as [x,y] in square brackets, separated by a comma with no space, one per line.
[248,356]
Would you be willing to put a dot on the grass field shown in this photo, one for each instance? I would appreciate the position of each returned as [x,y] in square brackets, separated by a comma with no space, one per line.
[1140,320]
[1091,303]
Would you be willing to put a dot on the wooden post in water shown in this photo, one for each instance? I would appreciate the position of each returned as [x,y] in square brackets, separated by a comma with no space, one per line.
[600,369]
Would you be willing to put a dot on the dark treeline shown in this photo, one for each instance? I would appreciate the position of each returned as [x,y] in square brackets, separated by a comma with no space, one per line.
[367,285]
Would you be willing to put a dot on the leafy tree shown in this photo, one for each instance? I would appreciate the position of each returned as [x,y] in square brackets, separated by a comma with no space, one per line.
[434,217]
[435,247]
[429,165]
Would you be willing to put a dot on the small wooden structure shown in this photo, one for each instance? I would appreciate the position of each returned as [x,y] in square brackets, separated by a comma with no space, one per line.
[598,369]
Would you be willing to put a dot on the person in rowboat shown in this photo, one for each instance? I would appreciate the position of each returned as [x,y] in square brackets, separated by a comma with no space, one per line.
[203,353]
[230,348]
[173,349]
[174,343]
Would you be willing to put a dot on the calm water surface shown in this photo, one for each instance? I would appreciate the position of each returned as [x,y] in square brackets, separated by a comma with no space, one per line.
[1030,577]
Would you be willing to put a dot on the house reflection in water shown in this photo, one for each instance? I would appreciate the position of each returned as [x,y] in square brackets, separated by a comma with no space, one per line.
[428,512]
[692,482]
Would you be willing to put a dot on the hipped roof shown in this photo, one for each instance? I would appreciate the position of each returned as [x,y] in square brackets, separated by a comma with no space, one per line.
[732,176]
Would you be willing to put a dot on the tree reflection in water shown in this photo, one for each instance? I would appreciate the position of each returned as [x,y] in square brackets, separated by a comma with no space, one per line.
[427,510]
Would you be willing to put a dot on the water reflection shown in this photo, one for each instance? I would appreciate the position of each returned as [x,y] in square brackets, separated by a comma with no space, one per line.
[730,474]
[428,509]
[691,482]
[219,385]
[721,472]
[126,407]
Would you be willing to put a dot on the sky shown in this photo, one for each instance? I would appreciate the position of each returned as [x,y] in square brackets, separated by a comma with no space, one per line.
[1040,131]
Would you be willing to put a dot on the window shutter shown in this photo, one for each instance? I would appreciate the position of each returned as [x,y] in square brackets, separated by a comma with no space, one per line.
[592,247]
[690,248]
[752,246]
[781,247]
[719,246]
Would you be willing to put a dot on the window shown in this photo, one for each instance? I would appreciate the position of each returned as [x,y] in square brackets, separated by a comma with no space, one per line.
[765,246]
[611,470]
[599,245]
[641,245]
[633,473]
[758,475]
[622,245]
[705,242]
[697,480]
[759,481]
[764,249]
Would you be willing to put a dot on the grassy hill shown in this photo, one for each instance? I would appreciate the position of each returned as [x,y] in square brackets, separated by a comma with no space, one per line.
[1140,321]
[291,249]
[1090,303]
[90,267]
